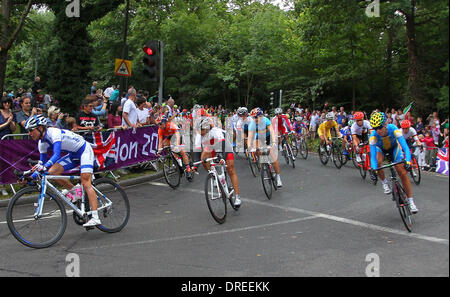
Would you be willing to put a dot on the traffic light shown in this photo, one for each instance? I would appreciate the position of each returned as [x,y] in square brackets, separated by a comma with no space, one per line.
[151,54]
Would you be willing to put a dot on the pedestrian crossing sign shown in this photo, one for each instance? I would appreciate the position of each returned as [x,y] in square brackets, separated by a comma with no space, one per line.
[122,67]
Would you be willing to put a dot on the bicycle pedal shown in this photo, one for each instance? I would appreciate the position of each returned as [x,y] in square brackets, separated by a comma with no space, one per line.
[90,228]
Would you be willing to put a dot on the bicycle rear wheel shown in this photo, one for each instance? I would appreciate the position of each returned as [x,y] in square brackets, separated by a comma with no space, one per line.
[215,199]
[114,217]
[266,178]
[172,172]
[303,149]
[290,154]
[33,231]
[403,206]
[415,171]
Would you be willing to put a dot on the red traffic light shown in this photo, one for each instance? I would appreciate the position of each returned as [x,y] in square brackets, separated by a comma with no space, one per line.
[148,50]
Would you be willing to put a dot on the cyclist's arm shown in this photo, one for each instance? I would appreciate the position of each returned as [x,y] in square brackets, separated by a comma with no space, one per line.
[401,140]
[373,153]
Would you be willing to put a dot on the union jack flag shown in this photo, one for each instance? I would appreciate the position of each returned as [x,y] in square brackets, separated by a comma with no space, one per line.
[442,161]
[104,147]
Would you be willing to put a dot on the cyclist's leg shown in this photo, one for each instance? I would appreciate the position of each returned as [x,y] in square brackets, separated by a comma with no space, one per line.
[402,173]
[380,159]
[58,169]
[232,172]
[87,170]
[205,155]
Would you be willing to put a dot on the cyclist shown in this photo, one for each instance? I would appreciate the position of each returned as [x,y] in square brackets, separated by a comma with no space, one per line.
[243,123]
[324,130]
[214,141]
[282,124]
[387,138]
[79,153]
[260,132]
[299,125]
[167,130]
[410,134]
[360,132]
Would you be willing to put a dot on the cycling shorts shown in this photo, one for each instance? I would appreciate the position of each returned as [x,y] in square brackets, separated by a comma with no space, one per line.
[84,158]
[395,154]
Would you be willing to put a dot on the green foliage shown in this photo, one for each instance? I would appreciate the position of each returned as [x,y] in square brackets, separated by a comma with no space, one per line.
[236,52]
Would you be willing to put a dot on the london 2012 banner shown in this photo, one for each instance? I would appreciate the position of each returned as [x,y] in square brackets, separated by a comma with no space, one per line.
[112,149]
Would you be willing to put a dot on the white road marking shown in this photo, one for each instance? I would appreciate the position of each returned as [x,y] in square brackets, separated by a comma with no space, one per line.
[332,218]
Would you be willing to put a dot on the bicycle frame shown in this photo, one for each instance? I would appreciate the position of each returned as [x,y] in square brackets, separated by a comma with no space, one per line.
[45,183]
[219,177]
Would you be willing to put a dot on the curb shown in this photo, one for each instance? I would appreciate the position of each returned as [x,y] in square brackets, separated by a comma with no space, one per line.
[125,183]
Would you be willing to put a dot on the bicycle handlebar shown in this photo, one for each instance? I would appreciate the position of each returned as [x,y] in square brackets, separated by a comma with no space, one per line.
[390,165]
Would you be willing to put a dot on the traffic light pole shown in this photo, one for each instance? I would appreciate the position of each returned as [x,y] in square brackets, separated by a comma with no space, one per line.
[124,49]
[161,66]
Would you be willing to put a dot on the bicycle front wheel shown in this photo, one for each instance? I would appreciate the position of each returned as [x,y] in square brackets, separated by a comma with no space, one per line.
[171,170]
[215,199]
[253,162]
[403,206]
[323,156]
[29,228]
[337,156]
[113,205]
[266,178]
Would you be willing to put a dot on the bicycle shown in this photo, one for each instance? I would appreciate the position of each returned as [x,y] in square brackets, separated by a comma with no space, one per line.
[37,217]
[301,146]
[287,150]
[253,161]
[415,169]
[173,168]
[268,175]
[333,152]
[399,196]
[218,190]
[364,155]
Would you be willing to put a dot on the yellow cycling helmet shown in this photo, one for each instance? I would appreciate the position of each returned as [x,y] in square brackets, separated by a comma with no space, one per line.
[378,119]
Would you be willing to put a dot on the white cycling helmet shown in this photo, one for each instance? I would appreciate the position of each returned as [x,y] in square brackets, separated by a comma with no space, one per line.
[299,119]
[242,111]
[34,121]
[329,116]
[278,110]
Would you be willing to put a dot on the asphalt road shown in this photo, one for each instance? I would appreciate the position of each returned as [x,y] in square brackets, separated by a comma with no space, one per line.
[323,222]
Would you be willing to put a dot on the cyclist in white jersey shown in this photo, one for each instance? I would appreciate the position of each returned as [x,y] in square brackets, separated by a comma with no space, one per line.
[410,135]
[360,132]
[79,153]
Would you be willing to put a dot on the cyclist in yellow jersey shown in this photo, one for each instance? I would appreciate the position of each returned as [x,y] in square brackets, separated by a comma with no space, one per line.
[324,129]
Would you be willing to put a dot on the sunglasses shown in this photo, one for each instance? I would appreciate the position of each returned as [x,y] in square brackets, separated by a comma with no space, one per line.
[378,128]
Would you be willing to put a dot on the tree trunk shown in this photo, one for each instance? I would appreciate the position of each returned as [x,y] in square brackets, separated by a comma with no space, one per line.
[414,90]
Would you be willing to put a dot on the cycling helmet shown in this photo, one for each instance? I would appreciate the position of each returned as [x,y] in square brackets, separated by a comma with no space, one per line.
[378,119]
[298,119]
[329,116]
[161,119]
[278,110]
[204,123]
[350,123]
[405,124]
[256,112]
[358,116]
[34,121]
[242,111]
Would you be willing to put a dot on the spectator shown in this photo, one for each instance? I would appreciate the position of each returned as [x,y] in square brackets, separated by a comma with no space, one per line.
[85,119]
[114,95]
[71,123]
[7,118]
[115,116]
[108,92]
[142,111]
[47,100]
[35,91]
[419,126]
[55,117]
[430,149]
[129,113]
[25,112]
[94,88]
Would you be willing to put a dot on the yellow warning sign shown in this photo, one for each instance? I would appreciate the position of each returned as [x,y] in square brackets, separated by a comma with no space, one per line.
[122,67]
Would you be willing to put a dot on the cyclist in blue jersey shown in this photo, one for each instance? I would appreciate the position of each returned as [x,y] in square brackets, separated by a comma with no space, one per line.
[389,139]
[261,133]
[79,153]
